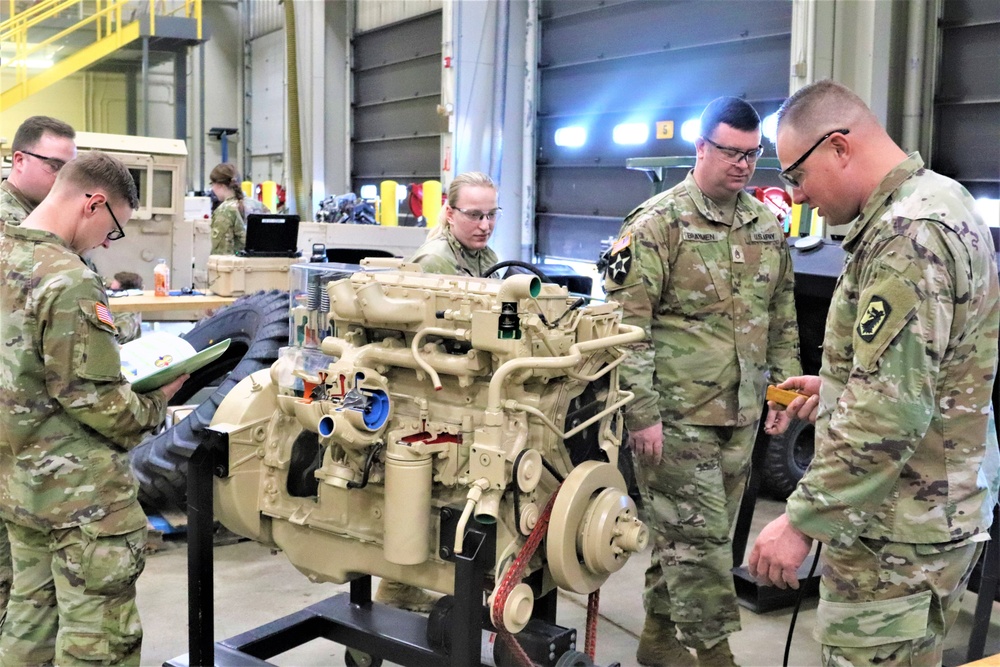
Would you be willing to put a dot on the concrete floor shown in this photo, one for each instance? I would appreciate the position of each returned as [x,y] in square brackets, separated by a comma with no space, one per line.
[254,586]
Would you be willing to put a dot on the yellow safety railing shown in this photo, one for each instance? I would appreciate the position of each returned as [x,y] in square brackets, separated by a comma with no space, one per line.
[101,29]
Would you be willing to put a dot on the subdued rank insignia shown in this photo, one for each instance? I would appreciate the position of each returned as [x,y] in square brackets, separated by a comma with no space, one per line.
[620,261]
[876,314]
[738,254]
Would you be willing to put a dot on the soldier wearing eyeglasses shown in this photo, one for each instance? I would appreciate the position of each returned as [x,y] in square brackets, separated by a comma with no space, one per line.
[704,269]
[458,245]
[41,146]
[903,483]
[68,418]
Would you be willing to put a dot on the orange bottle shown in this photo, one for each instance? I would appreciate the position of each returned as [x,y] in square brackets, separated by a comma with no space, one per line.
[161,278]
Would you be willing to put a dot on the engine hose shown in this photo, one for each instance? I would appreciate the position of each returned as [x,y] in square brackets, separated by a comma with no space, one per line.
[516,262]
[372,455]
[798,603]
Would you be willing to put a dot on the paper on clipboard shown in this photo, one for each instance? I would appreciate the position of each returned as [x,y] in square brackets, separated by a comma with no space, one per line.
[158,358]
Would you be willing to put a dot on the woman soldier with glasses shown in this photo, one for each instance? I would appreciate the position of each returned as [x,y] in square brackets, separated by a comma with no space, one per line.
[457,246]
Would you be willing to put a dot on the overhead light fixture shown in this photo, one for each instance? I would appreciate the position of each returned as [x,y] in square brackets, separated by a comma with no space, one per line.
[989,210]
[691,130]
[630,134]
[369,191]
[769,127]
[572,136]
[33,63]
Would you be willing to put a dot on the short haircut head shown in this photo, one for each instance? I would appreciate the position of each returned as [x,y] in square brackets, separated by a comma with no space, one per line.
[31,130]
[732,111]
[823,106]
[97,170]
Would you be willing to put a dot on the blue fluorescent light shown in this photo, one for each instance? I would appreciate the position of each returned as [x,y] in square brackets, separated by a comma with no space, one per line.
[691,130]
[572,136]
[630,134]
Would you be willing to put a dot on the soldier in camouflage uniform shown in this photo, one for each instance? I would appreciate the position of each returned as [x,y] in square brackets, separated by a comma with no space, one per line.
[903,482]
[41,146]
[67,419]
[229,220]
[457,246]
[705,270]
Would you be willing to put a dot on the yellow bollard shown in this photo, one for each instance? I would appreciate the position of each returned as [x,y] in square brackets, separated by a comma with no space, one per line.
[432,202]
[247,188]
[390,205]
[816,226]
[796,226]
[269,195]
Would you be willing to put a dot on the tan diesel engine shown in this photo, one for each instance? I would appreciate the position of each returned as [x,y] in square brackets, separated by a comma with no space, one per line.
[410,407]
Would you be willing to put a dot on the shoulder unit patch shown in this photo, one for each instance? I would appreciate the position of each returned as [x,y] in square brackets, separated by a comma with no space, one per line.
[875,315]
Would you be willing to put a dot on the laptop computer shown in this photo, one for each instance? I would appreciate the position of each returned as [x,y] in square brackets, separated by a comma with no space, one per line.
[271,235]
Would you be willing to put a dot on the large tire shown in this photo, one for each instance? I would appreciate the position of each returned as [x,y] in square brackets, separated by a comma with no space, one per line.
[788,456]
[257,325]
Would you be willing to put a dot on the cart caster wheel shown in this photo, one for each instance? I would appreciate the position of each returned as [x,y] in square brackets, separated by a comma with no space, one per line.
[574,659]
[355,658]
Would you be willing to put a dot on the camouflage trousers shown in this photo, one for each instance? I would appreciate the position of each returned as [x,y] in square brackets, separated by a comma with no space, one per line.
[888,603]
[73,598]
[691,499]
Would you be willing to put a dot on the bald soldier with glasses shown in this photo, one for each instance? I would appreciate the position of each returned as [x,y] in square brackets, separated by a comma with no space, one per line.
[704,269]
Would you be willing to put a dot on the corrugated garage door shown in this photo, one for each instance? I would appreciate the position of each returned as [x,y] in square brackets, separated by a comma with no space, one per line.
[967,102]
[397,87]
[607,62]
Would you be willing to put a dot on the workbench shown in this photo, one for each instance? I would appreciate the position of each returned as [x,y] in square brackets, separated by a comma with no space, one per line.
[168,307]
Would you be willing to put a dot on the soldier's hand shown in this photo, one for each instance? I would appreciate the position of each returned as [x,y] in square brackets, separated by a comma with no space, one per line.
[171,389]
[647,443]
[777,419]
[806,406]
[777,553]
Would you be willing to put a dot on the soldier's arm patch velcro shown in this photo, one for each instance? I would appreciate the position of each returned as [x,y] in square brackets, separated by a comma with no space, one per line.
[620,259]
[885,312]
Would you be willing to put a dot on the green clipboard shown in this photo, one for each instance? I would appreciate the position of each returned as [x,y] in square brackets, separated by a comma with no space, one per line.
[189,365]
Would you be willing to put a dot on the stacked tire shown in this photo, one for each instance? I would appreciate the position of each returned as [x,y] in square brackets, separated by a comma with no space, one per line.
[257,325]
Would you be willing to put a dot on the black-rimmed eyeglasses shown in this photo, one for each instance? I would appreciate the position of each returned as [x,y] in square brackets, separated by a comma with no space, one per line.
[479,216]
[735,155]
[786,174]
[54,164]
[118,232]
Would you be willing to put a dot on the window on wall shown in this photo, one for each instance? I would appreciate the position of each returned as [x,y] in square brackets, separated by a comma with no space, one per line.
[617,80]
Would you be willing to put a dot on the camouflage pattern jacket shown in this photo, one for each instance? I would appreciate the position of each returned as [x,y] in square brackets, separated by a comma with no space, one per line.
[716,302]
[229,228]
[67,416]
[14,208]
[446,255]
[908,364]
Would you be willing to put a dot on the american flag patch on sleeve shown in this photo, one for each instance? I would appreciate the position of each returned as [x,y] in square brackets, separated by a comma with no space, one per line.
[104,314]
